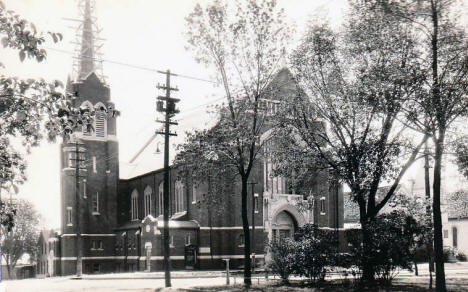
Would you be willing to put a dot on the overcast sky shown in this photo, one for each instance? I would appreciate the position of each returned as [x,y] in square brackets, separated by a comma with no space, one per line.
[142,33]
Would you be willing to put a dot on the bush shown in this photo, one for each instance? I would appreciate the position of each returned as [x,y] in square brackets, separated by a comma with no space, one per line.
[392,246]
[283,257]
[461,256]
[316,249]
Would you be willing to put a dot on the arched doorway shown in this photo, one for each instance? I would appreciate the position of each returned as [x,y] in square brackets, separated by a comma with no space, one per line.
[284,225]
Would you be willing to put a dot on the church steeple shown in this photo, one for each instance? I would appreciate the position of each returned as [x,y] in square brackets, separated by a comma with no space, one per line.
[88,59]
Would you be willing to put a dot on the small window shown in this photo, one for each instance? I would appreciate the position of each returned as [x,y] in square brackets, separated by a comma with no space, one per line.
[96,268]
[161,198]
[256,203]
[134,205]
[241,240]
[171,241]
[455,237]
[96,245]
[445,233]
[187,239]
[69,216]
[71,159]
[322,206]
[94,164]
[194,194]
[84,188]
[96,204]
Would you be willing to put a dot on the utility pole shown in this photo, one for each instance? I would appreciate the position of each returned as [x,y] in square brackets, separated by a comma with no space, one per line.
[252,243]
[79,244]
[430,242]
[169,109]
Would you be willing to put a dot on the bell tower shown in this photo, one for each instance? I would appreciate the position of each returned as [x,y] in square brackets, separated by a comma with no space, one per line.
[89,199]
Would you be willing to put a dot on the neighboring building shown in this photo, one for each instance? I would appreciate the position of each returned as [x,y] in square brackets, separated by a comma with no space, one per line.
[120,220]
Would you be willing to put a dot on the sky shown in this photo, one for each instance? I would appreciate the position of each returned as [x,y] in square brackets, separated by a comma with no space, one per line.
[142,33]
[148,34]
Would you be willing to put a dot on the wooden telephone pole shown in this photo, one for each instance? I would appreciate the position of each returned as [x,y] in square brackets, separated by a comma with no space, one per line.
[166,104]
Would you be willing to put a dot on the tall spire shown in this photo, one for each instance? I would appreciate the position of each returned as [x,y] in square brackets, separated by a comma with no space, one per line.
[88,59]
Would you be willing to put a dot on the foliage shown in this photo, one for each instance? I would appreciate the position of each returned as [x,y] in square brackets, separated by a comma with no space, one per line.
[457,204]
[393,242]
[445,46]
[283,257]
[357,85]
[29,108]
[243,42]
[315,252]
[22,237]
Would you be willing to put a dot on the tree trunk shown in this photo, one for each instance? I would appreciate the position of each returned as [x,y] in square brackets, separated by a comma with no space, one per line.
[245,225]
[438,240]
[367,265]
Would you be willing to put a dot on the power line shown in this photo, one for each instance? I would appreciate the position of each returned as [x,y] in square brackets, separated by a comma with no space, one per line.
[132,65]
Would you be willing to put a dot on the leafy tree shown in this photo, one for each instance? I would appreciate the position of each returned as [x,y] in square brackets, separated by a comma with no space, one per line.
[244,43]
[445,54]
[457,204]
[22,238]
[206,169]
[357,85]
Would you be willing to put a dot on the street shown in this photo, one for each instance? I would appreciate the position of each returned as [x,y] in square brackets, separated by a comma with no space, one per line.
[456,274]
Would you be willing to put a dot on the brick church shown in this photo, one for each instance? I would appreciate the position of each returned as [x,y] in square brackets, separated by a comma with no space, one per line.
[120,220]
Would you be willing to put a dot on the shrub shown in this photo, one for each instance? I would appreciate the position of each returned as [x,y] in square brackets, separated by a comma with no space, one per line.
[283,257]
[316,250]
[461,256]
[392,246]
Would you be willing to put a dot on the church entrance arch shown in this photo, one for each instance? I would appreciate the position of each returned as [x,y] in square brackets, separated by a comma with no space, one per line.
[284,225]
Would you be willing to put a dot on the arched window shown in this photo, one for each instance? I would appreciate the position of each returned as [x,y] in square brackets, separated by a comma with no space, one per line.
[179,197]
[86,108]
[161,199]
[134,205]
[100,120]
[147,197]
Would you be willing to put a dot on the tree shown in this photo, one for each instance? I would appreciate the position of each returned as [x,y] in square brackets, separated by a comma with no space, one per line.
[357,85]
[445,46]
[206,169]
[457,204]
[244,43]
[22,238]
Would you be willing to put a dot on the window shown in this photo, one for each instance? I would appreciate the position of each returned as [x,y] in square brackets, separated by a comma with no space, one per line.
[455,237]
[161,199]
[100,124]
[256,203]
[194,194]
[84,188]
[94,164]
[134,205]
[96,204]
[241,240]
[445,233]
[71,159]
[69,216]
[86,107]
[187,239]
[179,197]
[96,268]
[96,245]
[322,206]
[171,241]
[147,199]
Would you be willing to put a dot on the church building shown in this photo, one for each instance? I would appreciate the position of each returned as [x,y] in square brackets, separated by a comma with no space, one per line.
[115,225]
